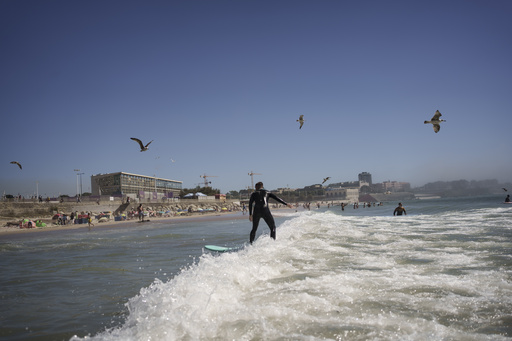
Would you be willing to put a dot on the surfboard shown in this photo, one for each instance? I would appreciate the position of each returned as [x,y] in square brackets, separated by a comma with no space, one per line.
[218,248]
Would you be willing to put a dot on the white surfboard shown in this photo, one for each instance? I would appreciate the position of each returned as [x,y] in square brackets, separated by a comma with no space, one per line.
[219,248]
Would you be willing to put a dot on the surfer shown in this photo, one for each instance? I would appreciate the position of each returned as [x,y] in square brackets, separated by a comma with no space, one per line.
[507,199]
[259,199]
[399,210]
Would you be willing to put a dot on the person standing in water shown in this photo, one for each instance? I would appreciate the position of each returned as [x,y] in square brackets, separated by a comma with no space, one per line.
[399,210]
[258,208]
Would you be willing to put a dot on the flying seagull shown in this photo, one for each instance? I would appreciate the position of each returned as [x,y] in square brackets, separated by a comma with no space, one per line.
[435,121]
[325,179]
[16,163]
[143,147]
[503,187]
[301,120]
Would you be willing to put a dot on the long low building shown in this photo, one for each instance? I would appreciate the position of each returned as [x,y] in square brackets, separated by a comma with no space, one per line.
[344,193]
[135,186]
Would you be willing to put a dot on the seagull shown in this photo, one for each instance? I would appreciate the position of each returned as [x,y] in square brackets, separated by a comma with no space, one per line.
[143,147]
[16,163]
[503,187]
[301,120]
[436,121]
[325,179]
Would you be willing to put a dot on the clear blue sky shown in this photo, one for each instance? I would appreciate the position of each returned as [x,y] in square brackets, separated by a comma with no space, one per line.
[218,86]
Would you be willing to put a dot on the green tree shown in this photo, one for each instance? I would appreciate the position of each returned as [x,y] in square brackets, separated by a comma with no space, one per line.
[205,190]
[233,195]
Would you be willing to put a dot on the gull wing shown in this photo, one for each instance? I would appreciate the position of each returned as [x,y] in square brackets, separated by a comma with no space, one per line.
[17,163]
[138,141]
[436,116]
[301,120]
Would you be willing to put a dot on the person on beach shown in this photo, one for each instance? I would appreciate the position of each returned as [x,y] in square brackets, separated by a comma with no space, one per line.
[399,210]
[89,221]
[258,208]
[140,211]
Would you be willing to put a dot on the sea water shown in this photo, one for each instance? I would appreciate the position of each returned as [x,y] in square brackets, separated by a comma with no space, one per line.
[442,272]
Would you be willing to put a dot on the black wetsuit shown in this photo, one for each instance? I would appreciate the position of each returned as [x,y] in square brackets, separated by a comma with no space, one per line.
[399,210]
[259,199]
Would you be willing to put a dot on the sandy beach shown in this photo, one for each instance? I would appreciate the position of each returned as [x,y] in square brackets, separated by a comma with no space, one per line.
[106,214]
[7,226]
[16,230]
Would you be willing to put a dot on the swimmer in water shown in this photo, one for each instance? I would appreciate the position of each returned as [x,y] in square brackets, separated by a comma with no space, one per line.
[399,210]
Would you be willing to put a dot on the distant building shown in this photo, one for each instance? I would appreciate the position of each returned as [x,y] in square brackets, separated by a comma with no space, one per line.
[364,187]
[365,177]
[346,184]
[134,186]
[342,193]
[391,186]
[282,190]
[313,187]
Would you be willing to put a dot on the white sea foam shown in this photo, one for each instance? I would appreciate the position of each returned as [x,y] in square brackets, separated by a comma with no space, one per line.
[335,277]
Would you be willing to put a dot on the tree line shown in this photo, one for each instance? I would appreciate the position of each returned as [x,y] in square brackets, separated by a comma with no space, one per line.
[205,190]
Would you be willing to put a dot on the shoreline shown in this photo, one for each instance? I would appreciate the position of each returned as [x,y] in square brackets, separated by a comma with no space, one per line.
[213,216]
[14,213]
[11,231]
